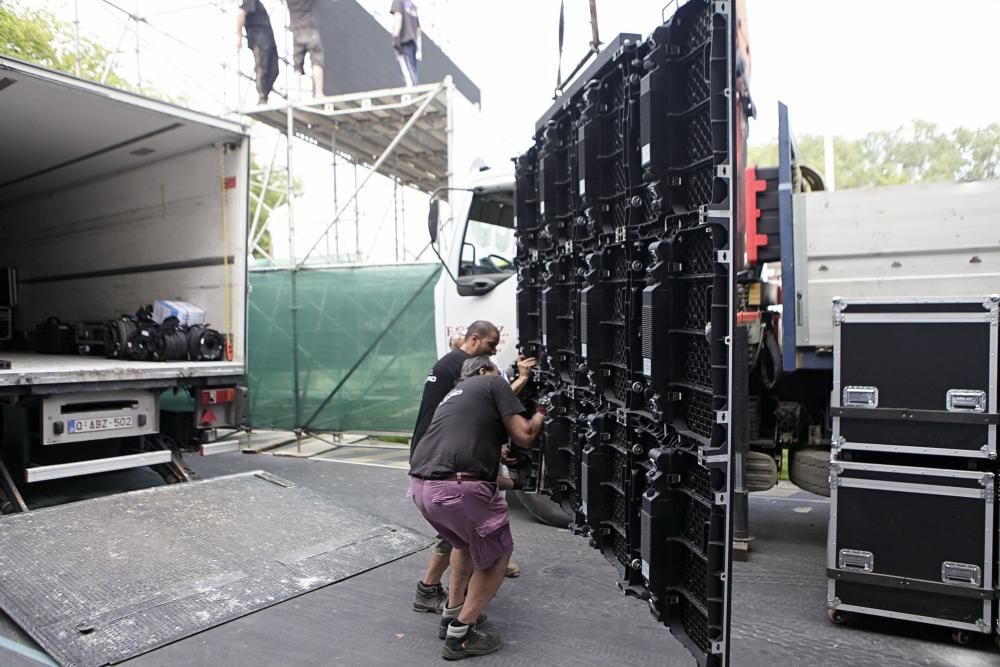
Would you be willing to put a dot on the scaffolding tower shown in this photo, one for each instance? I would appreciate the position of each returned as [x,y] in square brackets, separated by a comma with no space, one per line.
[404,134]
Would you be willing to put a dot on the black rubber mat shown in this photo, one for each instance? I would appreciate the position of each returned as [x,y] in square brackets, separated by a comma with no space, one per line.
[99,581]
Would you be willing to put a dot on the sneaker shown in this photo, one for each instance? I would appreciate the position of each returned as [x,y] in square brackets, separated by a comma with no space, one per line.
[430,598]
[513,570]
[443,626]
[475,642]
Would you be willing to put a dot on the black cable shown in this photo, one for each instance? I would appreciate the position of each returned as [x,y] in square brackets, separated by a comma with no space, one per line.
[143,344]
[170,341]
[205,344]
[122,331]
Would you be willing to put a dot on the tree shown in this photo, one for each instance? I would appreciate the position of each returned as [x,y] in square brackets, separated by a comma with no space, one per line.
[916,153]
[37,36]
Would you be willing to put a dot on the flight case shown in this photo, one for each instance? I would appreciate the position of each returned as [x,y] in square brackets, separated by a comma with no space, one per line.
[912,543]
[912,528]
[916,377]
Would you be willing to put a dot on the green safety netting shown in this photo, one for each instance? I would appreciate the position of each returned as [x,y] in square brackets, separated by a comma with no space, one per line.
[342,312]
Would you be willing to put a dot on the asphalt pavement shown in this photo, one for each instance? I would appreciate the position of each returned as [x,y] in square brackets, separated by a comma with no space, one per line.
[564,609]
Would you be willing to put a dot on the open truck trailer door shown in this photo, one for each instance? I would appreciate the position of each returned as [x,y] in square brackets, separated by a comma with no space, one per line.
[629,240]
[110,201]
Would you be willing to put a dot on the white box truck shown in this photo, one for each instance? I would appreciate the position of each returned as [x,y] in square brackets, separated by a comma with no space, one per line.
[110,201]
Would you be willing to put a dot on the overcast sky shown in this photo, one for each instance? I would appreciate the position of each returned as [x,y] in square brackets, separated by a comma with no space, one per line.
[845,67]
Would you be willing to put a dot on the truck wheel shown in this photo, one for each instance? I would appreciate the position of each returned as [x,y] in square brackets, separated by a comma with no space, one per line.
[544,509]
[809,469]
[761,471]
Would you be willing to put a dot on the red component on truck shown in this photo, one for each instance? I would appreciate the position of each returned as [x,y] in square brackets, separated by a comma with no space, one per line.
[752,185]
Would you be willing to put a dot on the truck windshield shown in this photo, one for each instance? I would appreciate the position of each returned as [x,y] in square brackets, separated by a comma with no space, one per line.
[488,244]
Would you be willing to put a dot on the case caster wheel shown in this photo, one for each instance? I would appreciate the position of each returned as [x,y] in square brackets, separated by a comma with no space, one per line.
[961,637]
[836,616]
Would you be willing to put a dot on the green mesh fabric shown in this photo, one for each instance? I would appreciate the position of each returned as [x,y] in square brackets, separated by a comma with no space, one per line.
[341,314]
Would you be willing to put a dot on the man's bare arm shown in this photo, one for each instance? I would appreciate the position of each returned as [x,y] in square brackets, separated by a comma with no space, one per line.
[523,432]
[524,368]
[397,27]
[241,20]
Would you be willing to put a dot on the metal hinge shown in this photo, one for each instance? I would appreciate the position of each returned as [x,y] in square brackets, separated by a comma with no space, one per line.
[992,306]
[705,213]
[722,171]
[722,416]
[721,7]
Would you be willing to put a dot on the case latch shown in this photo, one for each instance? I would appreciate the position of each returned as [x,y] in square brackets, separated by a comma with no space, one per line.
[965,400]
[852,559]
[860,397]
[961,573]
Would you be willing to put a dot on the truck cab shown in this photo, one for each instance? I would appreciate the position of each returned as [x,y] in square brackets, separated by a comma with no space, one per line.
[472,231]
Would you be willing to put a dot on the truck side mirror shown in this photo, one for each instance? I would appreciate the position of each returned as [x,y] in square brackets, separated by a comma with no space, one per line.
[433,220]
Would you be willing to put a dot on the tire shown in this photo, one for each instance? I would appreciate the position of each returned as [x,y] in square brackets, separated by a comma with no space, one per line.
[761,471]
[544,509]
[809,469]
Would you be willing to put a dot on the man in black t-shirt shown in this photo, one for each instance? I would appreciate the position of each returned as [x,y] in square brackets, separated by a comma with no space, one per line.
[453,483]
[260,38]
[481,337]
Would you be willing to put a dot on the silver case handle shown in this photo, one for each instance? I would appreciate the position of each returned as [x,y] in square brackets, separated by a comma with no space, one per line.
[853,559]
[965,400]
[966,574]
[860,397]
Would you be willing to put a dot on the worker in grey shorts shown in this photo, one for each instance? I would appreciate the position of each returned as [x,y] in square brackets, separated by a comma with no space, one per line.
[306,40]
[454,485]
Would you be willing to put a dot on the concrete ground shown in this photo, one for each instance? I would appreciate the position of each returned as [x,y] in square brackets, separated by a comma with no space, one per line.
[564,609]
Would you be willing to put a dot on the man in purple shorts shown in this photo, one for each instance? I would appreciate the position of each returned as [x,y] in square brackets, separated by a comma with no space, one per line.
[453,482]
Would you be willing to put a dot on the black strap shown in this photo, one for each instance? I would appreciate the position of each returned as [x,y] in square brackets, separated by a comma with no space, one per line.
[902,414]
[888,581]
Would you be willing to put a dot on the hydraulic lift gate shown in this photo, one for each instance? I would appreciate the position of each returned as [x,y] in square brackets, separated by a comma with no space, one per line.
[101,581]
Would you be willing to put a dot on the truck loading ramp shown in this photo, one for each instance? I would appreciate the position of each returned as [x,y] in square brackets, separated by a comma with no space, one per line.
[100,581]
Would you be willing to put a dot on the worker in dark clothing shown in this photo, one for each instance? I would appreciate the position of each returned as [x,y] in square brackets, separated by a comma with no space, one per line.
[406,39]
[252,17]
[306,39]
[453,477]
[481,337]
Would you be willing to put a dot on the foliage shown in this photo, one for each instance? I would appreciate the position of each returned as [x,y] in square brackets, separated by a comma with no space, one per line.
[920,152]
[37,36]
[274,196]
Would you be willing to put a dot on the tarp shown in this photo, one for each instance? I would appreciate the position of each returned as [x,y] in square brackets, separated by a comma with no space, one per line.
[341,313]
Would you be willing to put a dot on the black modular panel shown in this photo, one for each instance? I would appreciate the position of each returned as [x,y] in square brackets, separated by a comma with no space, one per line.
[625,205]
[914,543]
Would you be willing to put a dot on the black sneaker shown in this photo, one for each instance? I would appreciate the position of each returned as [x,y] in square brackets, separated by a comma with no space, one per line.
[430,598]
[475,642]
[443,627]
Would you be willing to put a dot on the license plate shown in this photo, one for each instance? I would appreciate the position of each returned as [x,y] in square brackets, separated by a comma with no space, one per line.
[100,424]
